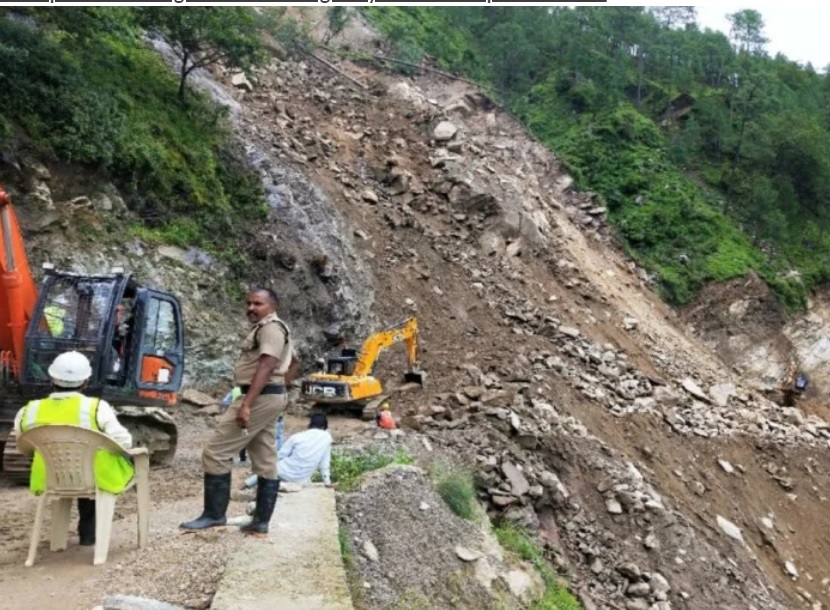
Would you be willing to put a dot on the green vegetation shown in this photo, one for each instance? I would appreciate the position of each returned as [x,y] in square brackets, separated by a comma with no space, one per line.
[348,466]
[675,227]
[457,487]
[81,87]
[205,36]
[346,551]
[712,157]
[353,576]
[555,597]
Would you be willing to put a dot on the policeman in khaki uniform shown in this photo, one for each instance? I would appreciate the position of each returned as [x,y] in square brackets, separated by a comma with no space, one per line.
[264,367]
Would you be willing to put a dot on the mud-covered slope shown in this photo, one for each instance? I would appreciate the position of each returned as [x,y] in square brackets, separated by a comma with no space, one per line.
[743,322]
[765,345]
[548,355]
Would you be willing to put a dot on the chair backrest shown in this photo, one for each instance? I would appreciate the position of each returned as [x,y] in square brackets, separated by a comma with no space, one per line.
[69,456]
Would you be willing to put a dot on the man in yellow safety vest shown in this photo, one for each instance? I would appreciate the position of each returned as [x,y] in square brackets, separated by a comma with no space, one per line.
[70,373]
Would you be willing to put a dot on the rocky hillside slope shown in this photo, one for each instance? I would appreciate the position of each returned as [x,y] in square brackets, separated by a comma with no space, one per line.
[654,476]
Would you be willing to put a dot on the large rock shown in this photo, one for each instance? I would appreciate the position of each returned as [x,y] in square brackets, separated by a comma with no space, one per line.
[406,92]
[730,529]
[720,393]
[518,483]
[195,397]
[525,585]
[241,81]
[692,388]
[445,130]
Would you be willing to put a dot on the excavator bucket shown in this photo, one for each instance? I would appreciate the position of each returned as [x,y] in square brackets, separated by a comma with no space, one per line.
[415,376]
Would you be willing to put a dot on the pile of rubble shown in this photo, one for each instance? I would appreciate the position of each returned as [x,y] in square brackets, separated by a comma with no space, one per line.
[606,377]
[442,189]
[517,448]
[390,541]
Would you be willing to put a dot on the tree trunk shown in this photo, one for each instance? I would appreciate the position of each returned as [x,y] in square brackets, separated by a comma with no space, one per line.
[640,81]
[183,76]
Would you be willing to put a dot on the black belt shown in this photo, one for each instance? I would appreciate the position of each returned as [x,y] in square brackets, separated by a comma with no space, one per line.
[269,389]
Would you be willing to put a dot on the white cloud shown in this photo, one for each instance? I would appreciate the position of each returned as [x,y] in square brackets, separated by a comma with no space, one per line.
[797,30]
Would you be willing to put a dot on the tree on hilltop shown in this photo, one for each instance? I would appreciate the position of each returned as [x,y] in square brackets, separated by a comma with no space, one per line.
[201,36]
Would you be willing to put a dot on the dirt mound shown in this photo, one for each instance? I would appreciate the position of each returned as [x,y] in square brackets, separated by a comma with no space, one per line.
[408,545]
[743,322]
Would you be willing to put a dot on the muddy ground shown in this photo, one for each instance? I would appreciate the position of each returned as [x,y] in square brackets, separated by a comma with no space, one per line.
[177,568]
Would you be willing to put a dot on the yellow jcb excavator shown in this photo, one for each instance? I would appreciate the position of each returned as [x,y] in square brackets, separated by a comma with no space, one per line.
[347,381]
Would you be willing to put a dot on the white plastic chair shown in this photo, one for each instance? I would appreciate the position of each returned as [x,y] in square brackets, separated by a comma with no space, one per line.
[68,454]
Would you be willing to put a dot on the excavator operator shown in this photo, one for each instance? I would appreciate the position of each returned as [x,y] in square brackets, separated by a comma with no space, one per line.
[57,318]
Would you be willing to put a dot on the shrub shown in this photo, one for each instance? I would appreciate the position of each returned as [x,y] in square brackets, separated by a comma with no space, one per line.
[347,467]
[457,488]
[108,101]
[555,597]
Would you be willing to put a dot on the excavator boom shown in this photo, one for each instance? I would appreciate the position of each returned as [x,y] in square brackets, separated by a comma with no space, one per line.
[406,331]
[18,294]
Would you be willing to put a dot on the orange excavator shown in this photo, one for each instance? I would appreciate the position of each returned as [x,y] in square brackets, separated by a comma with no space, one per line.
[132,335]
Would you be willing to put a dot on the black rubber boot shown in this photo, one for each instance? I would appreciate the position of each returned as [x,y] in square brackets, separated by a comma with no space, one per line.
[217,496]
[266,500]
[86,521]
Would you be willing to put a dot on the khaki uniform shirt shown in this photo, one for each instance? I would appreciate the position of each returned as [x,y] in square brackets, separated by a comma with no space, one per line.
[269,336]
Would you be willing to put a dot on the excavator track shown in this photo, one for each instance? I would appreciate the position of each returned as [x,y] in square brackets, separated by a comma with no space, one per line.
[151,427]
[16,466]
[368,409]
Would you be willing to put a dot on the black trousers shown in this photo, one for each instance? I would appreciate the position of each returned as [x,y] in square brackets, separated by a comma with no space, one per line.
[86,521]
[86,516]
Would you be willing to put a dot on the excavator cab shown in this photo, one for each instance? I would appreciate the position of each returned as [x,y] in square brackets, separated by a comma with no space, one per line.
[414,376]
[133,337]
[344,364]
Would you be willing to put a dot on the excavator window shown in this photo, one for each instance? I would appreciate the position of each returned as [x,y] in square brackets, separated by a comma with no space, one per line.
[58,319]
[162,332]
[341,366]
[74,316]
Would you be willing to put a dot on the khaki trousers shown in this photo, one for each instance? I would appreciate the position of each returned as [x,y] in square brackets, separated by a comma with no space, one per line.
[228,438]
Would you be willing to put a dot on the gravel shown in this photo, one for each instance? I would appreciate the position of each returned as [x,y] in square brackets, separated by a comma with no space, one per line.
[402,551]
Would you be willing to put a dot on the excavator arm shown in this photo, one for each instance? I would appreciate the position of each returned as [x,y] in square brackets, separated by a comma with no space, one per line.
[18,293]
[406,331]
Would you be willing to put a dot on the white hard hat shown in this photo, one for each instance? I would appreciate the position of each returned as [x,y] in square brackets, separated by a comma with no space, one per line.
[70,369]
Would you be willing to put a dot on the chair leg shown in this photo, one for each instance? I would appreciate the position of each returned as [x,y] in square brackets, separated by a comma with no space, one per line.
[104,511]
[61,512]
[142,489]
[41,504]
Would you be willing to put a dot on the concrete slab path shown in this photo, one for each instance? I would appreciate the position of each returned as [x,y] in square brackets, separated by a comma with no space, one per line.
[297,567]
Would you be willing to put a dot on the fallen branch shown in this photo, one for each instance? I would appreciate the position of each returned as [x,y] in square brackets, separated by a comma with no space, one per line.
[334,68]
